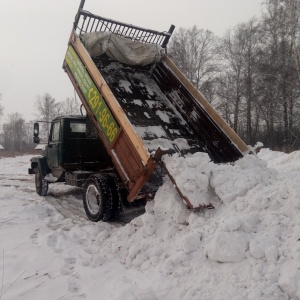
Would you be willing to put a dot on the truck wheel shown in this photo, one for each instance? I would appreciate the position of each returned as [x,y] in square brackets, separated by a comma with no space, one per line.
[97,198]
[41,185]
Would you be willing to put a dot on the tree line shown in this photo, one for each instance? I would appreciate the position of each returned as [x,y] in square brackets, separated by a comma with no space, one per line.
[17,134]
[251,75]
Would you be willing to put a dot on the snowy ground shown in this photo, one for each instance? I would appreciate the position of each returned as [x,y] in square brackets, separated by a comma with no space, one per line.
[248,247]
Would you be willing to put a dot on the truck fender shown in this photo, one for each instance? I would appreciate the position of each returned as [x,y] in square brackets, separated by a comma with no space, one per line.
[39,163]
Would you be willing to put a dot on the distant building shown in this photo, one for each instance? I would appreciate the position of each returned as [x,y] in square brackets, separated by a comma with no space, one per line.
[1,148]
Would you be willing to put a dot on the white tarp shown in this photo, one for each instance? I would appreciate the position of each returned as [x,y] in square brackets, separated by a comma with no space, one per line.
[121,49]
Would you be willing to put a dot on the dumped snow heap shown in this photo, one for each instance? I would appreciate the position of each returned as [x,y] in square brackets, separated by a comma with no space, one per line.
[246,248]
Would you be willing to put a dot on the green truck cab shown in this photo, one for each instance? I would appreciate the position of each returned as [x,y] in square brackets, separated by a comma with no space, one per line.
[73,154]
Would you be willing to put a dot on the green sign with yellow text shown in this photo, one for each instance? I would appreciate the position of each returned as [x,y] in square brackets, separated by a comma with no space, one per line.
[92,95]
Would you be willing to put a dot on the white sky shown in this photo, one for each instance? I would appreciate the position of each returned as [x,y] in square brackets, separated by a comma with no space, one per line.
[34,36]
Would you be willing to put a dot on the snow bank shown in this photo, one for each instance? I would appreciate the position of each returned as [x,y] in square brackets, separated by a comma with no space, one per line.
[248,247]
[245,247]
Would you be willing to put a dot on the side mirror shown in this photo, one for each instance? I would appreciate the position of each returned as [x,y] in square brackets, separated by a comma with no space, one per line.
[36,131]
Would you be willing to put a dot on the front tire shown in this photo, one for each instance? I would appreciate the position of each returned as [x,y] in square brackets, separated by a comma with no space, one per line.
[41,185]
[97,198]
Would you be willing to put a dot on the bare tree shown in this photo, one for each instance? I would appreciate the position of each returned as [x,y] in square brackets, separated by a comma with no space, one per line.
[14,133]
[194,51]
[281,67]
[232,52]
[47,109]
[251,78]
[1,107]
[70,106]
[254,78]
[223,94]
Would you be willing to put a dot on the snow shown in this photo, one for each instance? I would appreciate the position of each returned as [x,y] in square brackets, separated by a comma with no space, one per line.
[248,247]
[125,85]
[138,102]
[153,131]
[163,116]
[40,147]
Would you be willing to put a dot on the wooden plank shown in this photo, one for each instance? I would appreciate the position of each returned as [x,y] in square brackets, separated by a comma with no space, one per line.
[110,100]
[130,162]
[134,190]
[133,173]
[128,153]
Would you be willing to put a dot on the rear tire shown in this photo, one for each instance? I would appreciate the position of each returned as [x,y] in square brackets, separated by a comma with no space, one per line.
[97,198]
[41,185]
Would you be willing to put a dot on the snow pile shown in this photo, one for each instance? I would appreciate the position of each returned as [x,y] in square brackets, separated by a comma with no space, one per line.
[248,247]
[192,175]
[198,178]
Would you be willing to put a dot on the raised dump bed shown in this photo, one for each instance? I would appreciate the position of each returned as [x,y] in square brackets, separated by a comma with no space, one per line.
[142,106]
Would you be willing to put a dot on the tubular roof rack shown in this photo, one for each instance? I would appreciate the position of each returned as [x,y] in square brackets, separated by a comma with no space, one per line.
[86,22]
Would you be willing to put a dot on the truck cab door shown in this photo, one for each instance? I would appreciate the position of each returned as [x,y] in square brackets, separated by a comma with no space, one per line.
[54,145]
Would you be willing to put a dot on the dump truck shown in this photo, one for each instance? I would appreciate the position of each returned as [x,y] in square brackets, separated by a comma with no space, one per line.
[139,108]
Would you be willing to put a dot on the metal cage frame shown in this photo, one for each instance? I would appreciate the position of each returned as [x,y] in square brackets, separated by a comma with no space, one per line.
[86,22]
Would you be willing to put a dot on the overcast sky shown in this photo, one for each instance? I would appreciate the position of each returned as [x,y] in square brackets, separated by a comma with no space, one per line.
[34,36]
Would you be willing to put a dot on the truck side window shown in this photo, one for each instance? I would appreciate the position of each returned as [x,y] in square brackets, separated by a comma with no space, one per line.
[78,127]
[55,132]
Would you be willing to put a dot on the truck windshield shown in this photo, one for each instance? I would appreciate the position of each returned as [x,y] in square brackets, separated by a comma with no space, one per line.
[55,132]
